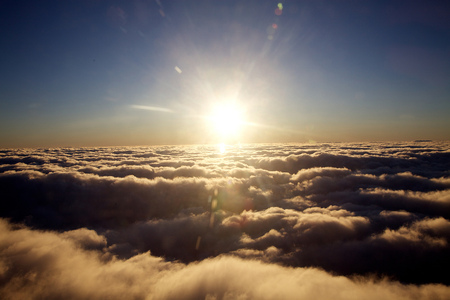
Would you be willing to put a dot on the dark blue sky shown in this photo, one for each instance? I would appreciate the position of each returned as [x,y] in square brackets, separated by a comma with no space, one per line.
[76,72]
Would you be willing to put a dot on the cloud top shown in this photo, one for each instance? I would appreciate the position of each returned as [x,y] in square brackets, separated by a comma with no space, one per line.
[159,222]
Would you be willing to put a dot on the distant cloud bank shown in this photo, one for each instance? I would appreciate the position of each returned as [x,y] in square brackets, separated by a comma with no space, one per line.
[275,221]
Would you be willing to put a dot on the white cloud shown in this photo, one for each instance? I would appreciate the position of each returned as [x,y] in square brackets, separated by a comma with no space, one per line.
[153,108]
[37,264]
[352,209]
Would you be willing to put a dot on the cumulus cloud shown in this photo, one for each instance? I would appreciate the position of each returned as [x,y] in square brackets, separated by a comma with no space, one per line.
[36,265]
[366,210]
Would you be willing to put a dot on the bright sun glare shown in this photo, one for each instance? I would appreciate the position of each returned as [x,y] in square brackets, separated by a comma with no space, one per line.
[227,120]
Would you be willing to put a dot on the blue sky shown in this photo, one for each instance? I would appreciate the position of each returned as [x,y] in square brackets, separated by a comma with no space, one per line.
[74,72]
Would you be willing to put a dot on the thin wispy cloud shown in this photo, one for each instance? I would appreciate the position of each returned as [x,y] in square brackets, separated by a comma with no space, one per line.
[152,108]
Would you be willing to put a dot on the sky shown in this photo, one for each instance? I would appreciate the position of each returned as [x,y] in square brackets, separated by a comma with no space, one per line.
[259,221]
[105,73]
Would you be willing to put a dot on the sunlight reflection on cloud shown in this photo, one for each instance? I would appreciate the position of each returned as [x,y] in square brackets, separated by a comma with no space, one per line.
[375,209]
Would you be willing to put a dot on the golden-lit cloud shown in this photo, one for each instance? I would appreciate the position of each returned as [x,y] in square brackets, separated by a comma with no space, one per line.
[184,220]
[37,264]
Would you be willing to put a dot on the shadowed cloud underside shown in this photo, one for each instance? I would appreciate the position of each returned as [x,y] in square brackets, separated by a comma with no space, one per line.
[255,221]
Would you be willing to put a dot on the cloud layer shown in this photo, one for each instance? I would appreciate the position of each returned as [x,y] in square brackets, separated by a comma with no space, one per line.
[162,222]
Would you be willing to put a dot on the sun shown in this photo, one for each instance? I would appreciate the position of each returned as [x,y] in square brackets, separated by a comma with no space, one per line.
[226,121]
